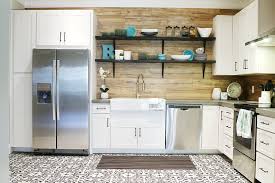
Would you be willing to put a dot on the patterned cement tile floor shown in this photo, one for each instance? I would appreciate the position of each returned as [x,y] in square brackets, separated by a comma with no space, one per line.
[27,168]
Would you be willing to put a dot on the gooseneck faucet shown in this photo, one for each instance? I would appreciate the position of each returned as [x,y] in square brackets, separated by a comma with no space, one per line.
[140,85]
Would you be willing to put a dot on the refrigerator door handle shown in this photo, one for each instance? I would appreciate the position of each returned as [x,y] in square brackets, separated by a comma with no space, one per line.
[53,89]
[57,89]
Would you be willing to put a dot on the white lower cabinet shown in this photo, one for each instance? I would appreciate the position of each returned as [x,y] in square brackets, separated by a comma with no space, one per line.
[124,138]
[228,126]
[228,146]
[101,131]
[210,127]
[137,138]
[266,143]
[150,138]
[265,168]
[21,115]
[265,156]
[226,122]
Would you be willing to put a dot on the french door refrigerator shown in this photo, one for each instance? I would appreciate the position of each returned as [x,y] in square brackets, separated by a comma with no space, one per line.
[60,100]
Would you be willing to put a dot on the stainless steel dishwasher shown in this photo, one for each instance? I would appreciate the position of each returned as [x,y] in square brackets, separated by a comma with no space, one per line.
[183,128]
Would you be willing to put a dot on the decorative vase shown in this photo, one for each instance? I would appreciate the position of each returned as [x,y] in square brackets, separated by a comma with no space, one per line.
[216,94]
[104,95]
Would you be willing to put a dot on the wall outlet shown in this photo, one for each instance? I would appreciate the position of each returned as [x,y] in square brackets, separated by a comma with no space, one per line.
[253,89]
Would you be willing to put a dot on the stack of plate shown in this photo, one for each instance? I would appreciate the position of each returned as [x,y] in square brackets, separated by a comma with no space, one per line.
[200,57]
[149,32]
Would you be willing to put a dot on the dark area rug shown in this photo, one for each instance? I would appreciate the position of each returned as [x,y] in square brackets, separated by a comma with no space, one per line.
[146,162]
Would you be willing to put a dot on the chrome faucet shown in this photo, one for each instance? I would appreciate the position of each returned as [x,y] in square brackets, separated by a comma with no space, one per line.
[140,85]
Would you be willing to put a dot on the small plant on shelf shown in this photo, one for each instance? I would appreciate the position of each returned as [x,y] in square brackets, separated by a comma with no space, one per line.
[104,90]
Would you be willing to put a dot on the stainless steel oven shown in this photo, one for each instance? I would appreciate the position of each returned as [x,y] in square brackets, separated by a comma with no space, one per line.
[244,153]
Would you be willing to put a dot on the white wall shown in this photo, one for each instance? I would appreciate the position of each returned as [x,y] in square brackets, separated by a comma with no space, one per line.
[4,90]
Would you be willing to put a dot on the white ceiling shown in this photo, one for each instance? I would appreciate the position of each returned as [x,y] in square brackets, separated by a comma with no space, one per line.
[222,4]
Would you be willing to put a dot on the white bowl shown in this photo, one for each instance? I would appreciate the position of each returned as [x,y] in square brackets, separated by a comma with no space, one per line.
[180,57]
[149,30]
[204,32]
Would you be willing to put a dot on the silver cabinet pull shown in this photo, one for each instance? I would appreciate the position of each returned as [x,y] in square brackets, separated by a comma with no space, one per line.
[235,66]
[262,122]
[263,170]
[108,123]
[135,132]
[101,108]
[228,126]
[53,89]
[60,34]
[227,146]
[57,90]
[64,36]
[139,132]
[265,143]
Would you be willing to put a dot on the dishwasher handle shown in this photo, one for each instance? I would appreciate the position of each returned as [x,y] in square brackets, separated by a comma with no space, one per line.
[185,107]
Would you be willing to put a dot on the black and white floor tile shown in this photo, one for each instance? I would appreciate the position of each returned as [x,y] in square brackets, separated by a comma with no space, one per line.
[28,168]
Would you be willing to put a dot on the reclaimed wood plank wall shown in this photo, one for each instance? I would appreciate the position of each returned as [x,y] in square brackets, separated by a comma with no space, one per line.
[181,81]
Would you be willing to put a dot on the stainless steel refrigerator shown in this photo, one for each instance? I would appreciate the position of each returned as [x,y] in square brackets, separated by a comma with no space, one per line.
[60,100]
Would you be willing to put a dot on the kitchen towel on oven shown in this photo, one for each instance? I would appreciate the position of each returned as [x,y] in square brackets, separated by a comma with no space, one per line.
[244,123]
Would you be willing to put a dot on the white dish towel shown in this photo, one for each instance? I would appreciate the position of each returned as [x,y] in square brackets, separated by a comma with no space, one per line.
[244,124]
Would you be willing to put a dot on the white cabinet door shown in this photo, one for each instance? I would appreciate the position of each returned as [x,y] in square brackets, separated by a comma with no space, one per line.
[22,111]
[50,28]
[124,138]
[210,127]
[101,132]
[223,53]
[77,28]
[151,138]
[23,31]
[266,16]
[221,132]
[236,45]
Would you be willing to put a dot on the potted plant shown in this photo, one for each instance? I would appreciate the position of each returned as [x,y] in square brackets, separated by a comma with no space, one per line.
[104,89]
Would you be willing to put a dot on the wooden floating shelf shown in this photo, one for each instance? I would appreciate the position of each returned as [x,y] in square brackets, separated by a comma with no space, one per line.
[156,38]
[157,62]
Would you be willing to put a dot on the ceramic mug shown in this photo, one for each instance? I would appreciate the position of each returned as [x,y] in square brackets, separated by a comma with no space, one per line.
[216,94]
[119,54]
[127,55]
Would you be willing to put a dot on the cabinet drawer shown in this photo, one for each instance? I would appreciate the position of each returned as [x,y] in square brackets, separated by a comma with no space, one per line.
[264,169]
[228,127]
[228,146]
[227,112]
[266,123]
[266,143]
[101,108]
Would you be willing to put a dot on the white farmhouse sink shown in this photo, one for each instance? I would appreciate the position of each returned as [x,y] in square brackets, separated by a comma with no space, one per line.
[134,104]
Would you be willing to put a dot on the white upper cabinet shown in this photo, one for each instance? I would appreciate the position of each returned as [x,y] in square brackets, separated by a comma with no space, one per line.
[23,40]
[223,53]
[49,28]
[250,59]
[63,28]
[266,16]
[236,45]
[76,28]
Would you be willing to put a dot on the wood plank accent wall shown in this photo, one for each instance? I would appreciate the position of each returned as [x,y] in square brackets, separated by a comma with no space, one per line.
[181,81]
